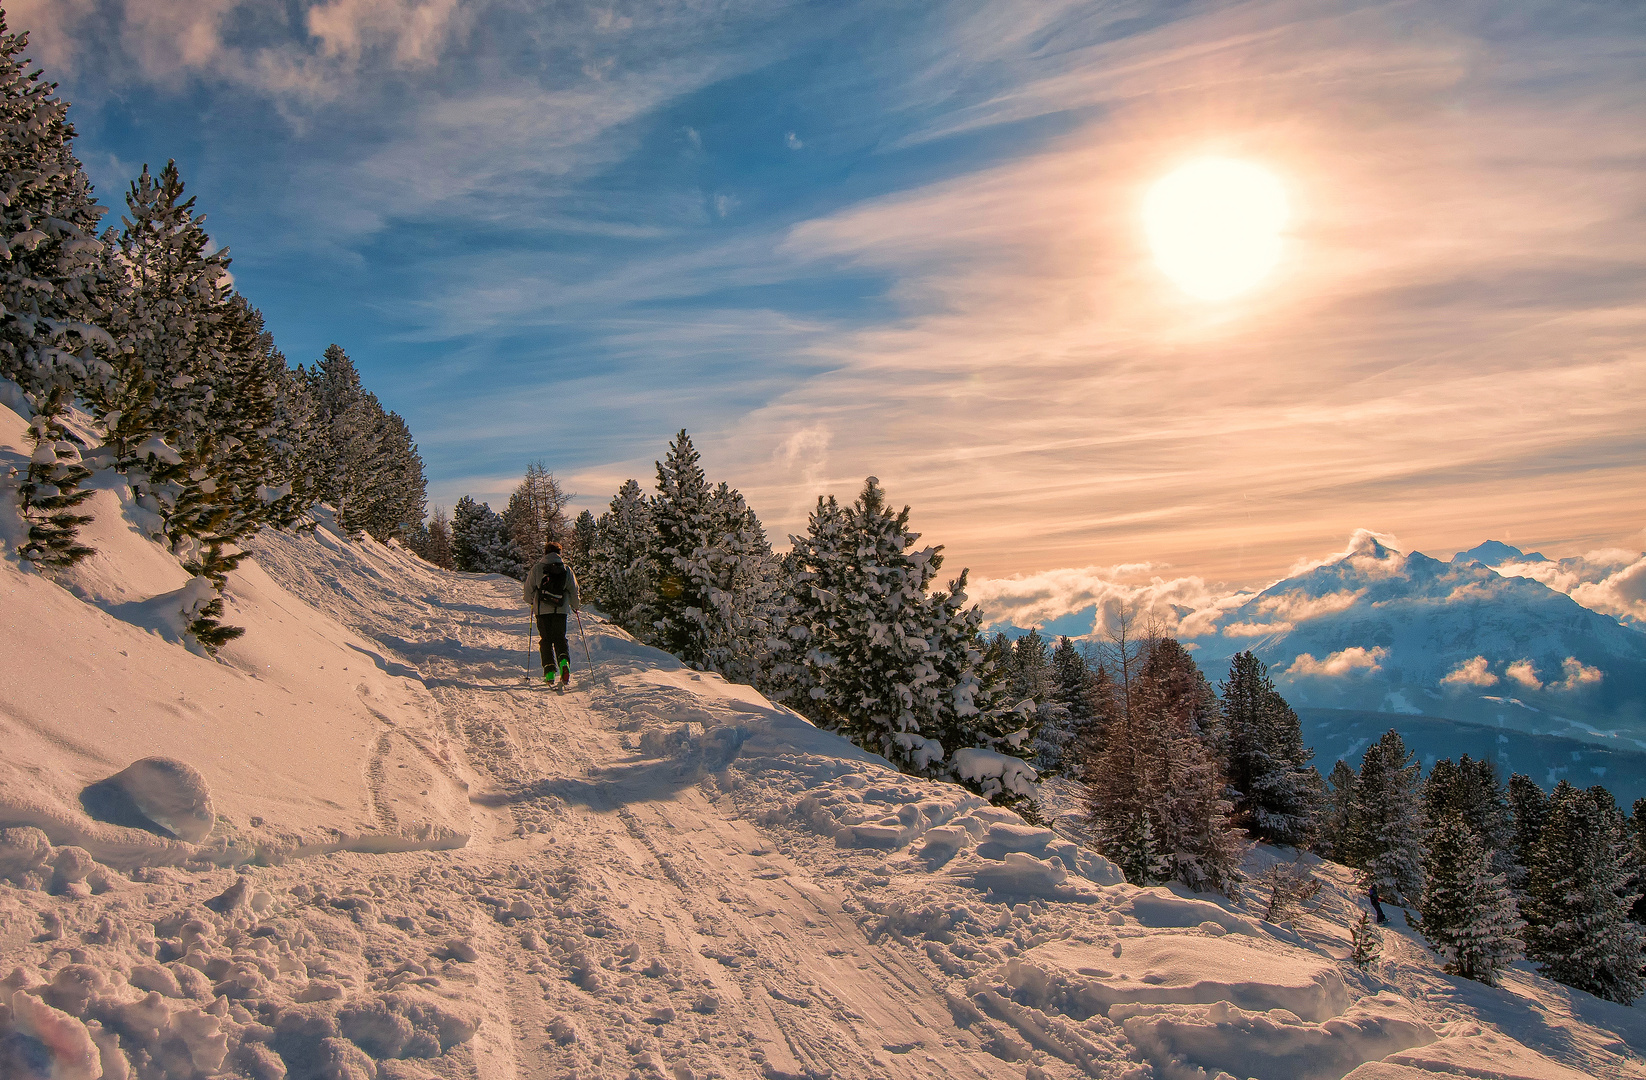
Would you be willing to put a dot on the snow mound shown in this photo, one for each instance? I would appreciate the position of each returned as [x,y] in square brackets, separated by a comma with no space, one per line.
[160,794]
[1186,969]
[1222,1038]
[1484,1056]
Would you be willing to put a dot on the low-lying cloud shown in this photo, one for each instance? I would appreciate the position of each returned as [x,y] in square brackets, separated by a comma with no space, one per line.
[1355,660]
[1472,672]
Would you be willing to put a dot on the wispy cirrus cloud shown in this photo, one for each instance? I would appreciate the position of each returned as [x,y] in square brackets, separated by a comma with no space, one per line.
[314,52]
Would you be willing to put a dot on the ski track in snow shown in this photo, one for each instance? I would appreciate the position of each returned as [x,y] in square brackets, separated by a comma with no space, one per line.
[666,876]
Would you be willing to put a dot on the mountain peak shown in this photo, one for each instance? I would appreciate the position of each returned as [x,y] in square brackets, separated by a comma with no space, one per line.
[1496,553]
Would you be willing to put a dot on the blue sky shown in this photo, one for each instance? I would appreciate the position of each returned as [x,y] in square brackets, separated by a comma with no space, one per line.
[836,239]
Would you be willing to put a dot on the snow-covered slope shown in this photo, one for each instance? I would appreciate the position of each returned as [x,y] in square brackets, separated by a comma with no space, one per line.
[1384,631]
[663,875]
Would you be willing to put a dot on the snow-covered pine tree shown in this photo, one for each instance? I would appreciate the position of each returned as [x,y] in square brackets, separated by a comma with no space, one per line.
[620,581]
[480,543]
[1577,909]
[584,535]
[1072,686]
[362,457]
[1528,813]
[1467,912]
[684,523]
[1033,679]
[1276,797]
[398,496]
[1389,824]
[861,600]
[1336,816]
[53,279]
[896,669]
[170,329]
[1637,860]
[1472,790]
[245,449]
[715,573]
[973,714]
[741,580]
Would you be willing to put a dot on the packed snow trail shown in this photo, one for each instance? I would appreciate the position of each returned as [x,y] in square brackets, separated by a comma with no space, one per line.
[661,875]
[693,939]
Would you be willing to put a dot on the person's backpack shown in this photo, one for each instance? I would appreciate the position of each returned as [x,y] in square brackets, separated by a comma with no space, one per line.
[551,590]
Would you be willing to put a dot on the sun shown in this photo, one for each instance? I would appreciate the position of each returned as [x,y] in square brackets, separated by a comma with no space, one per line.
[1215,226]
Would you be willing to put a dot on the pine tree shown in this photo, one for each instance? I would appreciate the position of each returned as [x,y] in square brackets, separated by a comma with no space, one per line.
[1366,941]
[1268,762]
[53,282]
[1468,913]
[361,457]
[480,543]
[584,535]
[1578,910]
[1033,680]
[1336,819]
[1073,683]
[1389,824]
[1472,790]
[1529,813]
[1637,860]
[1199,842]
[715,572]
[620,581]
[682,517]
[898,670]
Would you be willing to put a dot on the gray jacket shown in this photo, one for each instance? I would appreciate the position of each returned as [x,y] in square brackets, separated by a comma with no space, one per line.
[535,577]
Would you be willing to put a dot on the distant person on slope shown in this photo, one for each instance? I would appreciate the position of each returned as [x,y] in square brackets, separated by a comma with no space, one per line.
[551,590]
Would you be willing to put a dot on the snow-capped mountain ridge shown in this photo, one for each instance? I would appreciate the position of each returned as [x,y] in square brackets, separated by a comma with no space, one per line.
[1378,629]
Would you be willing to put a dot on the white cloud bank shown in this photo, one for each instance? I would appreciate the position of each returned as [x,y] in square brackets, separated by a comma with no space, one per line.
[1356,660]
[1472,672]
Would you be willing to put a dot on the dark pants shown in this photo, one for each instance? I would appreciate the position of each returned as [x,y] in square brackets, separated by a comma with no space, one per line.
[555,646]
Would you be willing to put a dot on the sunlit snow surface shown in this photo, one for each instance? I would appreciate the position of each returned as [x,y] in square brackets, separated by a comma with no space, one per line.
[661,874]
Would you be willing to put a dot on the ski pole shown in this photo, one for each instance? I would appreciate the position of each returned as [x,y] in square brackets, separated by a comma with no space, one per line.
[531,630]
[585,638]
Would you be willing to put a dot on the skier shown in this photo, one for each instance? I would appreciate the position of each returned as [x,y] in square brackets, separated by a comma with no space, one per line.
[551,590]
[1371,893]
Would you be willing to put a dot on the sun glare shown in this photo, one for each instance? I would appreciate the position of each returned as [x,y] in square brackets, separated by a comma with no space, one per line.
[1214,225]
